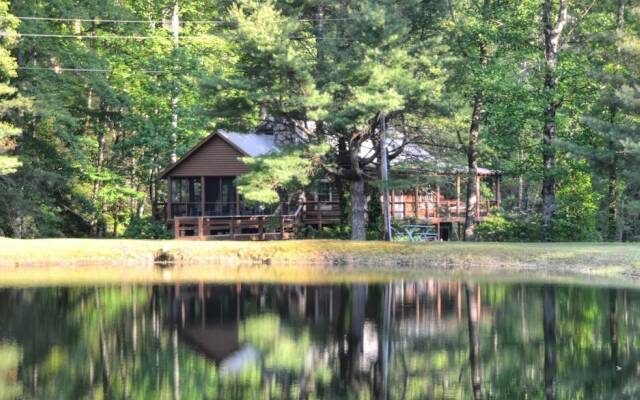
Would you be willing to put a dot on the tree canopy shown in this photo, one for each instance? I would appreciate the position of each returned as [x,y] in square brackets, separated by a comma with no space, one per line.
[98,97]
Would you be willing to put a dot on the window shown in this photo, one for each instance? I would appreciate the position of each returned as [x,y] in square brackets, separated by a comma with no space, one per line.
[185,197]
[220,195]
[323,191]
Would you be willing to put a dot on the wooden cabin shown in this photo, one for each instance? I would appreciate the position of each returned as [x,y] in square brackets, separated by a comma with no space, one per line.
[203,202]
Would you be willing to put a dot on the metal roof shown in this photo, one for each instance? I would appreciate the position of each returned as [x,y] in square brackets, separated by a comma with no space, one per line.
[252,144]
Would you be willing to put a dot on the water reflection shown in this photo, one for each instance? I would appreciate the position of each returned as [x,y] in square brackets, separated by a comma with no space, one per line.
[400,340]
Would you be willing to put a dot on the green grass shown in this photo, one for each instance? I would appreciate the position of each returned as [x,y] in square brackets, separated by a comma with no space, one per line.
[85,261]
[118,252]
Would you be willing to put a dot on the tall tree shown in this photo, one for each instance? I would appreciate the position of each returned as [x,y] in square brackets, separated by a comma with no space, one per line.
[378,68]
[552,31]
[10,101]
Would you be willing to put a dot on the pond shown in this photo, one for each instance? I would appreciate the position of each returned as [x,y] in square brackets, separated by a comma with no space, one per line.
[428,339]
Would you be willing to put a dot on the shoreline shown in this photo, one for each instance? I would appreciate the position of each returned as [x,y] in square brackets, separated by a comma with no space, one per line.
[319,258]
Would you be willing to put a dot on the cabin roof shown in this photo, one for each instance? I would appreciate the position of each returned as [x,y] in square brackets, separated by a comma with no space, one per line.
[248,144]
[258,144]
[421,158]
[252,144]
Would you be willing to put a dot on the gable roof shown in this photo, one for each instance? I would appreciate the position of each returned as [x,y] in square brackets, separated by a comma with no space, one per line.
[248,144]
[252,144]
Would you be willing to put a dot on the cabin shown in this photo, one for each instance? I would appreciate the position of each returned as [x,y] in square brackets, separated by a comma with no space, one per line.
[203,201]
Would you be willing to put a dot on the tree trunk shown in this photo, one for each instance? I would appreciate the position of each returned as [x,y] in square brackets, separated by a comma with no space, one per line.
[520,192]
[474,341]
[472,211]
[612,223]
[343,161]
[358,205]
[175,30]
[552,35]
[472,181]
[549,328]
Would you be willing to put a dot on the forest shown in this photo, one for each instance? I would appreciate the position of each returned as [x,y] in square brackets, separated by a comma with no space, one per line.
[98,97]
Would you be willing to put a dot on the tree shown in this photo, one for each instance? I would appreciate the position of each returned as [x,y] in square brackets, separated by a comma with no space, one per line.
[377,68]
[552,34]
[10,102]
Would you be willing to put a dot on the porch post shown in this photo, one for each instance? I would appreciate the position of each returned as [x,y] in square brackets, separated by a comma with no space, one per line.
[478,211]
[202,213]
[438,204]
[415,203]
[176,228]
[169,204]
[237,202]
[498,191]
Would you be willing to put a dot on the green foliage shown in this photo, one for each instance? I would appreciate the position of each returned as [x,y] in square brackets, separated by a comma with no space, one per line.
[81,152]
[577,209]
[289,170]
[11,103]
[510,227]
[146,228]
[9,363]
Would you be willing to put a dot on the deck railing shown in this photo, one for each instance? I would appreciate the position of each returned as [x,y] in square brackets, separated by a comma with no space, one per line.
[219,208]
[252,227]
[443,209]
[320,213]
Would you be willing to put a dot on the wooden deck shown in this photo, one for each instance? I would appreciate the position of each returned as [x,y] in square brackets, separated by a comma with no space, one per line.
[442,211]
[237,227]
[317,215]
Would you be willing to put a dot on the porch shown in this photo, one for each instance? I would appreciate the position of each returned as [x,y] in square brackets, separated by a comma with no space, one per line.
[237,227]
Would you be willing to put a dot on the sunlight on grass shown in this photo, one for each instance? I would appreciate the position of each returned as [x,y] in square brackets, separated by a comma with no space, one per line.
[138,255]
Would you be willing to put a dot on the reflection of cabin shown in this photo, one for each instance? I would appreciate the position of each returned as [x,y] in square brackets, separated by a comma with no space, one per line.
[207,319]
[203,202]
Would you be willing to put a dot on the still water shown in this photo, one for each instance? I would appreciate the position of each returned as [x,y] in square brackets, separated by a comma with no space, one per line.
[430,339]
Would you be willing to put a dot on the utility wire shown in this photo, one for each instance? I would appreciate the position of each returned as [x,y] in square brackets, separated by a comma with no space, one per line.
[106,37]
[99,20]
[61,69]
[142,37]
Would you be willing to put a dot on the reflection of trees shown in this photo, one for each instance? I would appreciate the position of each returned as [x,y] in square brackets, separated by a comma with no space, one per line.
[347,342]
[613,326]
[549,328]
[9,362]
[474,340]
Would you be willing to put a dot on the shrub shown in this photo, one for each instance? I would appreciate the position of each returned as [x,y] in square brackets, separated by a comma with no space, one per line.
[510,227]
[146,228]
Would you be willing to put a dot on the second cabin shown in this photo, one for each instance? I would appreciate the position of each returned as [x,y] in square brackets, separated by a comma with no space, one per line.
[204,203]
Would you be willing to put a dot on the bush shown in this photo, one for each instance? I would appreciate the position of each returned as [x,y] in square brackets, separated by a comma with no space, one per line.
[577,209]
[327,232]
[146,228]
[510,227]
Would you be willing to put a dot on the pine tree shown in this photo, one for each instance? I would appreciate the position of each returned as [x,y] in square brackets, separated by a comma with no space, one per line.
[10,101]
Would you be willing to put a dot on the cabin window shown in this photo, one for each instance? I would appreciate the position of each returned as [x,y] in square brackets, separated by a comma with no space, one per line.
[323,191]
[220,195]
[185,197]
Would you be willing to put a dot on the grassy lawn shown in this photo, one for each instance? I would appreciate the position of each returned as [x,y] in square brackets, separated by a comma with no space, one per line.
[49,261]
[582,257]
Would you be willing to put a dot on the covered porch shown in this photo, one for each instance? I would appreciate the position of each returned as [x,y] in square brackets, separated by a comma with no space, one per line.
[443,203]
[210,207]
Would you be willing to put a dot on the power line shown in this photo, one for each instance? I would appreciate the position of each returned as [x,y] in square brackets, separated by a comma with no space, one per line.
[144,37]
[61,69]
[99,20]
[106,37]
